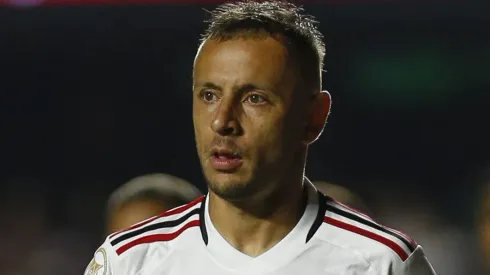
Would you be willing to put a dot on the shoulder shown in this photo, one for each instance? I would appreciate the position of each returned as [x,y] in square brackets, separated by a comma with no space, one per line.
[386,250]
[134,248]
[165,227]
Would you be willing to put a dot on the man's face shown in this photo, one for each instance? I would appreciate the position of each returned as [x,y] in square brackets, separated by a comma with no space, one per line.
[248,120]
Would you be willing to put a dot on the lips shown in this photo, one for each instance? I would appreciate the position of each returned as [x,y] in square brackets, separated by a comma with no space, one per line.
[225,160]
[224,153]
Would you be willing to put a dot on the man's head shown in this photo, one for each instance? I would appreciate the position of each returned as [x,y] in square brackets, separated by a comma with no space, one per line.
[146,196]
[257,100]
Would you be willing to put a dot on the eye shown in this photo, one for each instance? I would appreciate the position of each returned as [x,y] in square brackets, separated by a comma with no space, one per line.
[208,96]
[256,99]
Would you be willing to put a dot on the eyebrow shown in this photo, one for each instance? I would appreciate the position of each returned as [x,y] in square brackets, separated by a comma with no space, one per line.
[237,88]
[209,85]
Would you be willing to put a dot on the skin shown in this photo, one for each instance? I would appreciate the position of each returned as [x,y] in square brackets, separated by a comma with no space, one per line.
[134,212]
[247,98]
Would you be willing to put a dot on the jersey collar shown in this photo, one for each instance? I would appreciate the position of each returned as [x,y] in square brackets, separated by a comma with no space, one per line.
[292,245]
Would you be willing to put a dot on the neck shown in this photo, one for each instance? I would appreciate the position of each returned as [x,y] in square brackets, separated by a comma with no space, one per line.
[255,227]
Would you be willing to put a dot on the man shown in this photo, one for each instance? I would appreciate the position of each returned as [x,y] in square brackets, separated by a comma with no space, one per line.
[257,106]
[146,196]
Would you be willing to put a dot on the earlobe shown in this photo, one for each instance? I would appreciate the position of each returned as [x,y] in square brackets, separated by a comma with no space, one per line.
[318,119]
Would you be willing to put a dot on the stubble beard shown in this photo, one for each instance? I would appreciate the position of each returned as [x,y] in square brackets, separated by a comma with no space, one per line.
[232,189]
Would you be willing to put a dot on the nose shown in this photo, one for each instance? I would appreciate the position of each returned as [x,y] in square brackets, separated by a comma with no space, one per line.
[225,121]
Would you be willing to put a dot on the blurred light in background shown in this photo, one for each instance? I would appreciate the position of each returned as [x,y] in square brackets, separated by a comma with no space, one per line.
[407,77]
[24,3]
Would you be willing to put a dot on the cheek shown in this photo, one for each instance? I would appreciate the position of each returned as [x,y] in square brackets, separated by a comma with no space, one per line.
[202,132]
[198,136]
[266,135]
[282,129]
[200,108]
[198,118]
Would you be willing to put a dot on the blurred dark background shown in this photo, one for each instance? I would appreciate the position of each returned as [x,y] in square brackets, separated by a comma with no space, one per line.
[93,95]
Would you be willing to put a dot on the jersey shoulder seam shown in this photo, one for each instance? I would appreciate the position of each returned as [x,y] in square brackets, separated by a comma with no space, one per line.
[348,219]
[161,228]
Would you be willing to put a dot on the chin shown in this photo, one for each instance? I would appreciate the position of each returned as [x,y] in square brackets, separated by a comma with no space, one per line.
[230,187]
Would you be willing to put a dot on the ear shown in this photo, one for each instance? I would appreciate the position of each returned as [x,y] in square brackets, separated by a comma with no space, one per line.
[321,109]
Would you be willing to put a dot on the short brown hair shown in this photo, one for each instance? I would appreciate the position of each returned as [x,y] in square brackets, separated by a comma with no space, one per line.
[275,18]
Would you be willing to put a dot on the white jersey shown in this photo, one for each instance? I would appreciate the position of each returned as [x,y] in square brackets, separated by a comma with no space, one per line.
[329,239]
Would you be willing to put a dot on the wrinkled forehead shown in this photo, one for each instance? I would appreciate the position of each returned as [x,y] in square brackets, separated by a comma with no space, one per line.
[263,61]
[260,50]
[244,35]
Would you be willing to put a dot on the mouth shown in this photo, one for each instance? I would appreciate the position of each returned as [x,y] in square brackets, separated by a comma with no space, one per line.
[225,154]
[224,160]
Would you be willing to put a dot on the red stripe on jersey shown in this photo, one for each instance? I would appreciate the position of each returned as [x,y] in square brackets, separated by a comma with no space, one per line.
[349,227]
[410,240]
[353,210]
[171,212]
[157,237]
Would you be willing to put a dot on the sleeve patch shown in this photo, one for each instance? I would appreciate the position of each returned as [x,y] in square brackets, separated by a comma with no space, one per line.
[98,265]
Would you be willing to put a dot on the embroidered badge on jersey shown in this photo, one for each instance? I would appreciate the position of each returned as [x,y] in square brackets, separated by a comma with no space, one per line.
[98,265]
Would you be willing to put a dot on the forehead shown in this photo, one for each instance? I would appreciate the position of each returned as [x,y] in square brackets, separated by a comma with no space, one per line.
[264,60]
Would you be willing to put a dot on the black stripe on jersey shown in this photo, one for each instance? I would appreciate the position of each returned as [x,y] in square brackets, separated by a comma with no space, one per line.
[322,209]
[371,224]
[202,224]
[151,227]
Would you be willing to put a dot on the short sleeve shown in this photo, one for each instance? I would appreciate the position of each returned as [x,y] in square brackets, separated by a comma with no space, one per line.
[416,264]
[103,262]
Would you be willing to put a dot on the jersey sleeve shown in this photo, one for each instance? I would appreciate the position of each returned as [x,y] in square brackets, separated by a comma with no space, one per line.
[416,264]
[104,261]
